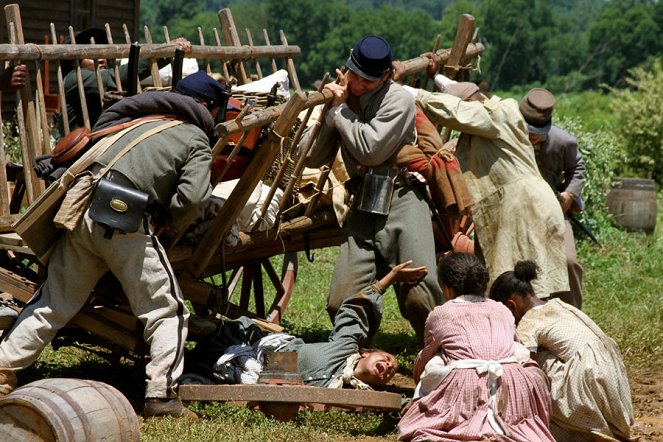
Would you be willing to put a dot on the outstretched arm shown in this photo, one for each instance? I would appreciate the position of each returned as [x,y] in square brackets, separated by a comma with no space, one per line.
[403,273]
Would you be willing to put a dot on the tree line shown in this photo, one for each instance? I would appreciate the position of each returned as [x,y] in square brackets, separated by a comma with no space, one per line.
[566,45]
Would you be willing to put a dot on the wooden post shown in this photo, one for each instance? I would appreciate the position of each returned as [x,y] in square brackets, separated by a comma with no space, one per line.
[201,37]
[262,160]
[63,99]
[463,37]
[100,81]
[154,68]
[116,64]
[224,64]
[43,120]
[232,39]
[292,72]
[32,184]
[127,39]
[266,35]
[79,80]
[249,38]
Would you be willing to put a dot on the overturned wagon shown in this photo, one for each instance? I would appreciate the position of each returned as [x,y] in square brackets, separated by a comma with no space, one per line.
[257,143]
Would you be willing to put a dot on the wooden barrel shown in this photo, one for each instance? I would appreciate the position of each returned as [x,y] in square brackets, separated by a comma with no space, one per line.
[67,410]
[632,203]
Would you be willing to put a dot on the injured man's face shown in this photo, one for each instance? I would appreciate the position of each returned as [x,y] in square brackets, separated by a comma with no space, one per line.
[376,368]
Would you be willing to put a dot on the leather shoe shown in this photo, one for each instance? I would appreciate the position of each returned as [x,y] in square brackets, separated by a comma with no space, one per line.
[160,407]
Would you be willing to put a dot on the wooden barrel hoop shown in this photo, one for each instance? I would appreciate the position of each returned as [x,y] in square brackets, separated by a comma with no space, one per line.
[632,204]
[61,409]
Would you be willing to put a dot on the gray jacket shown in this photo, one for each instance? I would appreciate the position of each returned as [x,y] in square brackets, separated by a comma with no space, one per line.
[560,162]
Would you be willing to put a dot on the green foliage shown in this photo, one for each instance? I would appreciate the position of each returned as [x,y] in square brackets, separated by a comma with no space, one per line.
[640,116]
[161,12]
[622,37]
[11,140]
[602,157]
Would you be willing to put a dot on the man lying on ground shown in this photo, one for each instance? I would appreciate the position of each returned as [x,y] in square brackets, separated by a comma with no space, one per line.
[234,353]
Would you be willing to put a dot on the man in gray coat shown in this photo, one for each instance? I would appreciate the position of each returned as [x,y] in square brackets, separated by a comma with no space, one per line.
[372,118]
[173,167]
[563,169]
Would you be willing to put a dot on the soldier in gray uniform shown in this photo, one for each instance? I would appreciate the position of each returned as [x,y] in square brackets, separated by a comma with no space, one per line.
[173,168]
[343,360]
[372,118]
[563,168]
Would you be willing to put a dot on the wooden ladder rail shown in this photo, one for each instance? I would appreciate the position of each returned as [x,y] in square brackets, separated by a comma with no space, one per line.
[232,39]
[28,114]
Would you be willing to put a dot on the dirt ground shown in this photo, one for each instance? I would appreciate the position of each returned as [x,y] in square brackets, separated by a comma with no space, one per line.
[646,393]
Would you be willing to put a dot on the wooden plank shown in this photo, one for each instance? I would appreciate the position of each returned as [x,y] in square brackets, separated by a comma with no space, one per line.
[19,287]
[291,394]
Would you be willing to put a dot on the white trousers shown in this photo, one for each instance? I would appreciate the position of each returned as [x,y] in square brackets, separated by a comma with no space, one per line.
[79,259]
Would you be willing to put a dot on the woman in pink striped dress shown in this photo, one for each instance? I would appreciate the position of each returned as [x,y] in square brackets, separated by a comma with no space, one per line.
[473,382]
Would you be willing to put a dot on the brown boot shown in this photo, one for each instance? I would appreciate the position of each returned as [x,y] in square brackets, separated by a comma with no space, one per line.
[159,407]
[7,382]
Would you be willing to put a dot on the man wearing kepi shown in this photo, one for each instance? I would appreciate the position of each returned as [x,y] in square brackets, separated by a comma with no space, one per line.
[515,212]
[172,166]
[563,169]
[372,118]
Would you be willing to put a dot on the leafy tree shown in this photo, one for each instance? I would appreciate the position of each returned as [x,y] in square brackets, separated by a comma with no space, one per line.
[160,12]
[515,36]
[640,116]
[621,38]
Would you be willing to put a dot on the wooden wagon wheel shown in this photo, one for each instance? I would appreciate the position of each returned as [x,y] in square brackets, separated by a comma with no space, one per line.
[252,276]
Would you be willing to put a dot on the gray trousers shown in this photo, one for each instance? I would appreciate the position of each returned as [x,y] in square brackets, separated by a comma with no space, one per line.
[79,259]
[574,295]
[373,244]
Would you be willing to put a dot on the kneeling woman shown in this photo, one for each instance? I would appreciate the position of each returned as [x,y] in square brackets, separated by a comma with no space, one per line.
[473,384]
[591,399]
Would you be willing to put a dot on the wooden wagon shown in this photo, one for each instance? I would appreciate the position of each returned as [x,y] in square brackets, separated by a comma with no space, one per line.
[208,268]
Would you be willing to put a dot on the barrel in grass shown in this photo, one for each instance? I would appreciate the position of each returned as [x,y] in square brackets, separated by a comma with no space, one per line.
[67,410]
[632,203]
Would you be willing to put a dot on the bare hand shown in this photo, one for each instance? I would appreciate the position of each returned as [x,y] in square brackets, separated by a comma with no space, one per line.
[339,88]
[183,43]
[20,76]
[566,200]
[399,71]
[403,273]
[433,63]
[14,77]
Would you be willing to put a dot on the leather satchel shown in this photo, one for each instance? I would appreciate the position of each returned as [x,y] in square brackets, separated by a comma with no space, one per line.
[118,206]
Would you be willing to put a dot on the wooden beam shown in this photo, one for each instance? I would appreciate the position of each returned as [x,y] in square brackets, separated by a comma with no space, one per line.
[291,394]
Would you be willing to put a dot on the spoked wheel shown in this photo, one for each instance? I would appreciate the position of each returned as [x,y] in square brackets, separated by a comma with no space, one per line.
[260,279]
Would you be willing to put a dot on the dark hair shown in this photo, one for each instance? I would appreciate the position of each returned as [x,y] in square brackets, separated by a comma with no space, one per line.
[464,273]
[516,282]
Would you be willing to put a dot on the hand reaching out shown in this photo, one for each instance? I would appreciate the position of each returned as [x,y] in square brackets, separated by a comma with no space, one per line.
[403,273]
